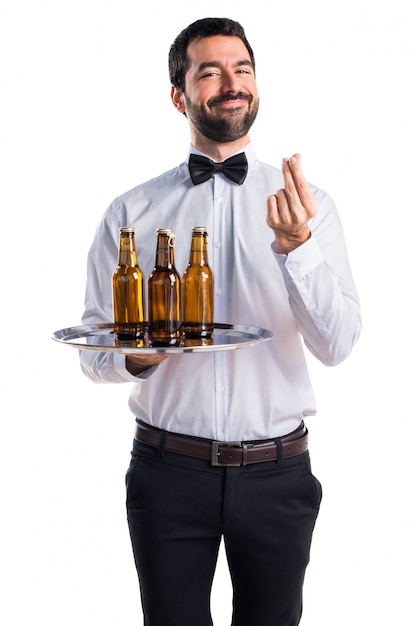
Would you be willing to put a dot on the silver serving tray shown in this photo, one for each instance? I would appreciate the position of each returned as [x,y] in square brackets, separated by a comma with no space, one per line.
[101,337]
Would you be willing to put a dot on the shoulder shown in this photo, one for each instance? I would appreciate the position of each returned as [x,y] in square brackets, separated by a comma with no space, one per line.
[155,191]
[159,185]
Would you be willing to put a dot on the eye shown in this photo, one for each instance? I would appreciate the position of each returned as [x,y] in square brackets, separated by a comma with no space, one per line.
[210,74]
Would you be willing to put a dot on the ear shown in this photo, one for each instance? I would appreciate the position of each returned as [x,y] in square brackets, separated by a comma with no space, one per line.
[177,98]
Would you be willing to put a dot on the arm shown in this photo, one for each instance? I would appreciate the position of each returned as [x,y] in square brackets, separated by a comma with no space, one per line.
[310,249]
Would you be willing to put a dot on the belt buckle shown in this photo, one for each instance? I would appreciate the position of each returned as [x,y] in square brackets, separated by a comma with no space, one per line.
[226,444]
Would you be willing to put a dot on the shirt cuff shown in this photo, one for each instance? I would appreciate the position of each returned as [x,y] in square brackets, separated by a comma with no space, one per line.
[302,260]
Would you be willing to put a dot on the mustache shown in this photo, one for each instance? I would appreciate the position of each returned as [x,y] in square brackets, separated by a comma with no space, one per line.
[228,97]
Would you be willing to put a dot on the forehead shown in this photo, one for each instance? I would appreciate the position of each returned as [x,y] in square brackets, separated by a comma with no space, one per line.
[218,49]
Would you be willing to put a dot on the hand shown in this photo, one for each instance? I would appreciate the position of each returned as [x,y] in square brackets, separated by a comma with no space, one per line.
[290,209]
[135,364]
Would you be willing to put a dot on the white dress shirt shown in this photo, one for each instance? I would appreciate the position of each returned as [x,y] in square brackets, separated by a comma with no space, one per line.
[250,393]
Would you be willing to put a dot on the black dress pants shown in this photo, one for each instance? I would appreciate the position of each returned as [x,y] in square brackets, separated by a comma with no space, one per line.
[180,507]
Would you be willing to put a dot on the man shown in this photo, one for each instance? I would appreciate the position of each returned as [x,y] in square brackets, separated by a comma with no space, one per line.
[188,485]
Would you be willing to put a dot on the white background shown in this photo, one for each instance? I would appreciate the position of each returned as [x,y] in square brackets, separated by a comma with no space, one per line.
[84,107]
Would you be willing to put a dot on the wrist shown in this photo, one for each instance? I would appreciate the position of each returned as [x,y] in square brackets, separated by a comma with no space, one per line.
[137,364]
[134,367]
[289,241]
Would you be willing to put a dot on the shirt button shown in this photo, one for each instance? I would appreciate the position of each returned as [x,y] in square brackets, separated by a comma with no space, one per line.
[219,199]
[218,244]
[218,291]
[220,388]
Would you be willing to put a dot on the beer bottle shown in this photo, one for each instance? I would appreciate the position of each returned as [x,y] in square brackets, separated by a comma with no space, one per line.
[127,284]
[164,293]
[198,288]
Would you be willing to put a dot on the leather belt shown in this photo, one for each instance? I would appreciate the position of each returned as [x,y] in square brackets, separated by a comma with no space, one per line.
[222,453]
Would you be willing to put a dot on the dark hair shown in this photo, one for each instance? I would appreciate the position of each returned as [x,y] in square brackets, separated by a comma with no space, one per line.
[178,62]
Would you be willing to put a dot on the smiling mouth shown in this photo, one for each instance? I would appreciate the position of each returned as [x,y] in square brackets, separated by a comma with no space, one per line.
[230,107]
[229,100]
[231,103]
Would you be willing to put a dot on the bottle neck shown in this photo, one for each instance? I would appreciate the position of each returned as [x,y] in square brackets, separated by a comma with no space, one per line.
[164,256]
[127,251]
[198,250]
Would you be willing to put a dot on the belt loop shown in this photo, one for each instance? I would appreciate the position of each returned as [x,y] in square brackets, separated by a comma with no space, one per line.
[161,447]
[279,447]
[244,454]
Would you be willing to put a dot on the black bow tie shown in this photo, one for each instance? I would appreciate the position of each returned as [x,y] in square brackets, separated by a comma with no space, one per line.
[201,168]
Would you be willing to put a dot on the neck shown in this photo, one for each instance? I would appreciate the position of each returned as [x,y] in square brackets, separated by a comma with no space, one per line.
[218,151]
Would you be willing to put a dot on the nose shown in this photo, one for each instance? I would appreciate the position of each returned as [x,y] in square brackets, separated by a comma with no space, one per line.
[230,82]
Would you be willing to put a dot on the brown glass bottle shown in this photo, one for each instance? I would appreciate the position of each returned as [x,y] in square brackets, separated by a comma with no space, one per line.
[164,293]
[198,288]
[128,289]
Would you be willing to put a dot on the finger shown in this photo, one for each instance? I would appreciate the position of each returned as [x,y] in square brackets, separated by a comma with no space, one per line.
[287,173]
[278,210]
[272,211]
[290,187]
[300,183]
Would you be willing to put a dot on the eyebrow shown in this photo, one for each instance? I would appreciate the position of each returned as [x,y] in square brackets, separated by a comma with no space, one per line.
[207,64]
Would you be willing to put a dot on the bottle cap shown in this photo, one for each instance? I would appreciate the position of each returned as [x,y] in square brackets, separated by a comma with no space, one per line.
[200,229]
[170,234]
[127,229]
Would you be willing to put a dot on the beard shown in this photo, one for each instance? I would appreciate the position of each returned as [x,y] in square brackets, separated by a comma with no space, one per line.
[225,128]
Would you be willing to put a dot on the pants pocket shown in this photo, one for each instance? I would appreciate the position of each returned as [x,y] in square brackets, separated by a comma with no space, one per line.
[316,486]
